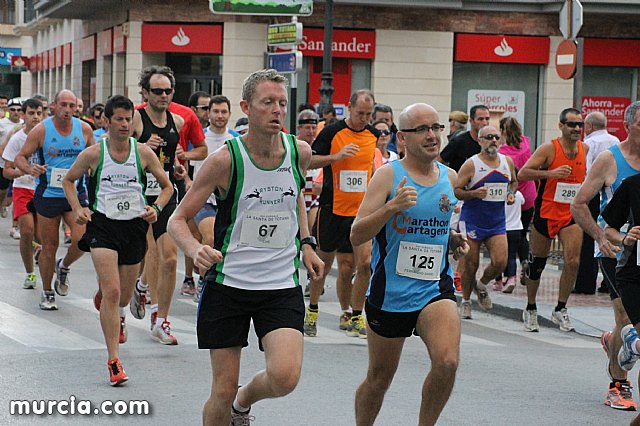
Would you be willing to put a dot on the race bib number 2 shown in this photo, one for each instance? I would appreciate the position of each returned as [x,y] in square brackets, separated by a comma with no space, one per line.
[56,177]
[265,229]
[153,187]
[566,192]
[419,261]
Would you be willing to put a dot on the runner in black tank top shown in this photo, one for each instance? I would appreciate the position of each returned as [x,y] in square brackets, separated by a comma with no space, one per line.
[169,134]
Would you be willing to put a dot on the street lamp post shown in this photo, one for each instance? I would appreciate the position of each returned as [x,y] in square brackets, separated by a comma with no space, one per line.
[326,88]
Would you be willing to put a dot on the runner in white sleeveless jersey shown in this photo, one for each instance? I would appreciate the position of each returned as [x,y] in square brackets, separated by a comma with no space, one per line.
[118,218]
[253,267]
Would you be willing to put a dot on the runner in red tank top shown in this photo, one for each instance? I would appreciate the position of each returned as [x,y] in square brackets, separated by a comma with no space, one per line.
[560,167]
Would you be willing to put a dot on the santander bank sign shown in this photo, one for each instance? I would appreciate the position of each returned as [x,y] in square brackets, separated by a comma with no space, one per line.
[346,43]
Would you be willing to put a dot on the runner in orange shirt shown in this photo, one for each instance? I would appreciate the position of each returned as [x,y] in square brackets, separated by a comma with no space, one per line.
[560,166]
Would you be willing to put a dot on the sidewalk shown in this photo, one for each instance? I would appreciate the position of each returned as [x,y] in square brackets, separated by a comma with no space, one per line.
[590,314]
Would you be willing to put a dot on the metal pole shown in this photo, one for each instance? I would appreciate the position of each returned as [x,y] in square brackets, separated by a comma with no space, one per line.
[293,102]
[577,78]
[326,88]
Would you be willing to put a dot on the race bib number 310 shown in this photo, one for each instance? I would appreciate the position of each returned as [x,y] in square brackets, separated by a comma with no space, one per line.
[419,261]
[265,229]
[496,191]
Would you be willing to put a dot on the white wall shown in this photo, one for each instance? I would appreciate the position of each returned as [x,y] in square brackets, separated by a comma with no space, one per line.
[558,95]
[243,46]
[413,66]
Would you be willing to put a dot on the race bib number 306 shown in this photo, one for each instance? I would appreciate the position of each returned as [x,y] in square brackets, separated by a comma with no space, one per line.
[265,229]
[419,261]
[353,180]
[566,192]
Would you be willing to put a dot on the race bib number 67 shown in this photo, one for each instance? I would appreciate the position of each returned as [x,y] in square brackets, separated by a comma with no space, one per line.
[265,229]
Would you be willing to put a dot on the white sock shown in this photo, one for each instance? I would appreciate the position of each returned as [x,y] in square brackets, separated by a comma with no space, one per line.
[153,308]
[62,264]
[239,408]
[142,286]
[466,300]
[159,321]
[634,347]
[121,310]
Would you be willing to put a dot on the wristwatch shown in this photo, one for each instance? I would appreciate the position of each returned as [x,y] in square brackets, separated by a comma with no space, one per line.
[311,240]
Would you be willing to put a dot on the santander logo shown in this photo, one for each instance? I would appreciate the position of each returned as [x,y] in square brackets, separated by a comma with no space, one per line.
[503,49]
[180,39]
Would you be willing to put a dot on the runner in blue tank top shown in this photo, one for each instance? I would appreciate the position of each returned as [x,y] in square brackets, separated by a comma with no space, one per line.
[485,182]
[406,211]
[58,140]
[605,175]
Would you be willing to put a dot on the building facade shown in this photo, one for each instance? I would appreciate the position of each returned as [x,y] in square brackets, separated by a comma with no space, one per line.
[450,54]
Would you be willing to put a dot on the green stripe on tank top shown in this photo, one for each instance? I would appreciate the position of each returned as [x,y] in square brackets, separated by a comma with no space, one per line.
[142,175]
[97,174]
[297,176]
[237,170]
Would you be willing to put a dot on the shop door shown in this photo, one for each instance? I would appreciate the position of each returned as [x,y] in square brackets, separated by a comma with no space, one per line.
[186,85]
[341,68]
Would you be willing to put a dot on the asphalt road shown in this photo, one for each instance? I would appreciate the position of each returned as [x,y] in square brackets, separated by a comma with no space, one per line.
[506,376]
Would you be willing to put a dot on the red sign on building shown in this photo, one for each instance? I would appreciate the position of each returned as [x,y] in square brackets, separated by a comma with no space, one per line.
[182,38]
[501,48]
[611,52]
[119,40]
[612,107]
[105,42]
[58,56]
[21,61]
[66,54]
[88,48]
[346,43]
[52,58]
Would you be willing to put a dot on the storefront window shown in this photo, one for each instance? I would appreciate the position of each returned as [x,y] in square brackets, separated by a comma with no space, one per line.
[469,76]
[619,81]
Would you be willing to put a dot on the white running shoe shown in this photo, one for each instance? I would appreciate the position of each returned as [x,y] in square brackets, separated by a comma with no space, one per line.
[530,320]
[562,319]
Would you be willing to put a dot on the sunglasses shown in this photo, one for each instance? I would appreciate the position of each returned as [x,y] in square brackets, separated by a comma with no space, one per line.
[491,137]
[425,128]
[15,109]
[203,107]
[157,91]
[574,124]
[385,132]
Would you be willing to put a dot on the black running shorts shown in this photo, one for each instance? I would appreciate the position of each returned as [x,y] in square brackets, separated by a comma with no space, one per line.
[126,237]
[333,231]
[398,324]
[224,314]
